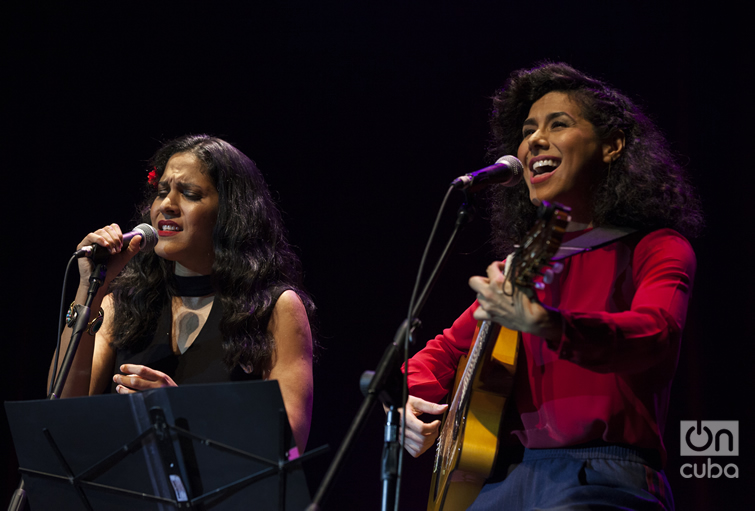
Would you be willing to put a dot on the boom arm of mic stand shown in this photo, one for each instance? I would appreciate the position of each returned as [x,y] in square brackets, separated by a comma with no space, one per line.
[386,381]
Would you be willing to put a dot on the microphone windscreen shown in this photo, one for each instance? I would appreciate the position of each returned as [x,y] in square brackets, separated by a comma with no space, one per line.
[149,236]
[513,162]
[516,170]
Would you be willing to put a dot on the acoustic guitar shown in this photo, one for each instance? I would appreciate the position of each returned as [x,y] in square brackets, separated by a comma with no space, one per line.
[468,442]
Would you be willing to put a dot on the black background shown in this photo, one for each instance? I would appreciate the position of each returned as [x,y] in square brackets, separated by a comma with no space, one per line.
[359,114]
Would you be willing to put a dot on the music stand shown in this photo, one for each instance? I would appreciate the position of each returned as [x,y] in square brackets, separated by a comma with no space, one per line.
[217,446]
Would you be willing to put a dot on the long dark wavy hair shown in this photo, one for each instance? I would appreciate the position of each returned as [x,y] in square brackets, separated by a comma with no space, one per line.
[646,187]
[253,260]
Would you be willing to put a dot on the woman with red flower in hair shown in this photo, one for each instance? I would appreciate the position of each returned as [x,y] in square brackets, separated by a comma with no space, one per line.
[219,299]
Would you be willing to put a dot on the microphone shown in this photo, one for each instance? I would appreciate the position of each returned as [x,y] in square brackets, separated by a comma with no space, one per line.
[507,171]
[100,254]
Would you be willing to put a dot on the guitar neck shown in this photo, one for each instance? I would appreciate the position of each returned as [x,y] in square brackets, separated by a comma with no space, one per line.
[464,389]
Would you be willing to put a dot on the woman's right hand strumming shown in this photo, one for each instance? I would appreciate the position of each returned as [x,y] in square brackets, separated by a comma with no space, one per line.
[420,436]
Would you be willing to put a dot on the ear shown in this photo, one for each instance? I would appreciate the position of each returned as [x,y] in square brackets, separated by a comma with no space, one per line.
[613,146]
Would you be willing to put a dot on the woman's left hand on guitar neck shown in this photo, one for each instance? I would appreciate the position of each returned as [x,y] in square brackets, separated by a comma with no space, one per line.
[517,309]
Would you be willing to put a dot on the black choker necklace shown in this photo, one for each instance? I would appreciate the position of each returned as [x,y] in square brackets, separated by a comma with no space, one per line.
[194,286]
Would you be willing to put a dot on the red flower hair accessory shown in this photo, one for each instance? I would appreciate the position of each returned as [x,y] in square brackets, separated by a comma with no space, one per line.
[152,178]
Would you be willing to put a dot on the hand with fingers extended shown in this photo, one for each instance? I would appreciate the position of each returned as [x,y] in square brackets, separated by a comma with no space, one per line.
[513,307]
[420,436]
[138,377]
[111,238]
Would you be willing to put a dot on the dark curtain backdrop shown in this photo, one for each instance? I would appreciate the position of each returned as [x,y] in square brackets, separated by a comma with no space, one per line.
[359,114]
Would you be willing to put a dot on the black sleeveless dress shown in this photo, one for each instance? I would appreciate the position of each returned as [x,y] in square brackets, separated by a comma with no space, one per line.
[202,362]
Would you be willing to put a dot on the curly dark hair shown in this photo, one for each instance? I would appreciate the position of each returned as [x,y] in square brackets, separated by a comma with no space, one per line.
[646,187]
[253,260]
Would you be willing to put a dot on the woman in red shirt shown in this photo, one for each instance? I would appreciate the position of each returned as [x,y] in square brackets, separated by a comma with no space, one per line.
[601,343]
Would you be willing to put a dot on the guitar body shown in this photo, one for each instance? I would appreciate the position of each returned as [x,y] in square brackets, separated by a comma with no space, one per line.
[468,441]
[467,450]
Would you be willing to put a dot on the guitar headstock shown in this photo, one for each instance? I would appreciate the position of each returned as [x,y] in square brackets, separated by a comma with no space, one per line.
[540,244]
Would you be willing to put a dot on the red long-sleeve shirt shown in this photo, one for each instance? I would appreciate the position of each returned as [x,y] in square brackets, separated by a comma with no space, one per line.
[609,377]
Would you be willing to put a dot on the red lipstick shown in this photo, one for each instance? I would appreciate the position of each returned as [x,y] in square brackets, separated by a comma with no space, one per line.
[168,228]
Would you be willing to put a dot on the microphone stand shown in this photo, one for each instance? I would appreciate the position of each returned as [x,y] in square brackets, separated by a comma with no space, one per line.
[385,385]
[82,320]
[18,501]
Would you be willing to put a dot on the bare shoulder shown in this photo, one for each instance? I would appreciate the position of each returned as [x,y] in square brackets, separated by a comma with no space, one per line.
[289,315]
[290,302]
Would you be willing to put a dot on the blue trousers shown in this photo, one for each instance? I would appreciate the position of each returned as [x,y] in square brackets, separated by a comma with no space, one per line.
[595,478]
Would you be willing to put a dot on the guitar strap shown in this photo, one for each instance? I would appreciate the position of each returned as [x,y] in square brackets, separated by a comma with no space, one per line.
[590,240]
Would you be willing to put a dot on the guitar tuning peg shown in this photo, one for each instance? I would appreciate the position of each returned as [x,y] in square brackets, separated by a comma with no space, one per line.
[557,267]
[539,285]
[548,276]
